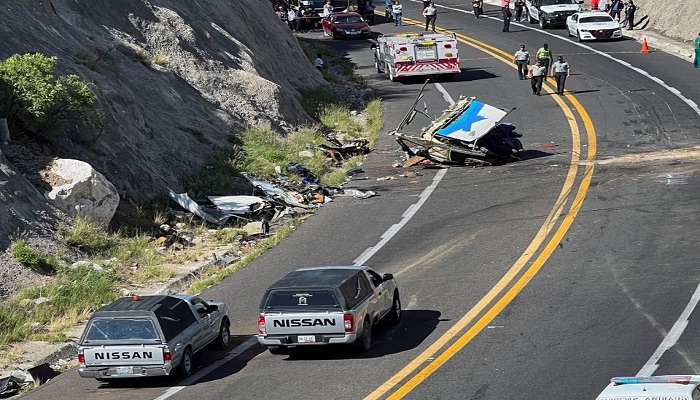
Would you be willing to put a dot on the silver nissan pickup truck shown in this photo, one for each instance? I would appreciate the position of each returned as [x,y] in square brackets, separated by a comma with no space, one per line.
[326,305]
[143,336]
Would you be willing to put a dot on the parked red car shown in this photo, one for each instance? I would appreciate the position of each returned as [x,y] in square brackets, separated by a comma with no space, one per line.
[345,24]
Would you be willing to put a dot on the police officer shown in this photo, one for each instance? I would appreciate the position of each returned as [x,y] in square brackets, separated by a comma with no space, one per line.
[537,74]
[522,60]
[561,70]
[544,54]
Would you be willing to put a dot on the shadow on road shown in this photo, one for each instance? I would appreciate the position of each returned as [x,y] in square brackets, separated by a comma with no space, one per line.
[415,327]
[201,360]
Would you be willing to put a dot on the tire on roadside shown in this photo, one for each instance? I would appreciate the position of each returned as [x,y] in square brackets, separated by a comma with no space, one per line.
[223,341]
[364,342]
[394,316]
[186,366]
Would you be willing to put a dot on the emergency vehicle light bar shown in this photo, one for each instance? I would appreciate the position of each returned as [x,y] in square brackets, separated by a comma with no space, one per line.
[652,379]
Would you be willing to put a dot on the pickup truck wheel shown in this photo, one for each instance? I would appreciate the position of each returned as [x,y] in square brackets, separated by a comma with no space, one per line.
[184,369]
[395,313]
[224,339]
[376,64]
[392,77]
[278,350]
[543,25]
[364,342]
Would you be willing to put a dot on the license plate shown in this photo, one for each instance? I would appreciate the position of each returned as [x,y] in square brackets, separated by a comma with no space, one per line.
[125,370]
[353,33]
[425,53]
[307,339]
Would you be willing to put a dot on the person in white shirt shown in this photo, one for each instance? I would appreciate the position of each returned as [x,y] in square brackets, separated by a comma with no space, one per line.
[327,9]
[430,14]
[318,62]
[397,10]
[291,19]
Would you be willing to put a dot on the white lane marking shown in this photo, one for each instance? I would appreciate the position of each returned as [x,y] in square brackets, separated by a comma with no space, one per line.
[412,209]
[644,73]
[204,372]
[672,337]
[445,95]
[386,236]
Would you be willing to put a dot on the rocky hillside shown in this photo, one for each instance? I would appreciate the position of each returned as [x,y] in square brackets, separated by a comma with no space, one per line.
[677,19]
[176,79]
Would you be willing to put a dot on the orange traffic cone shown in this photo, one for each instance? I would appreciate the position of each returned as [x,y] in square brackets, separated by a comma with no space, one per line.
[645,46]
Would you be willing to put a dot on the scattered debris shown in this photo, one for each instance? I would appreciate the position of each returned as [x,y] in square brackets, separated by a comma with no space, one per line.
[468,131]
[18,380]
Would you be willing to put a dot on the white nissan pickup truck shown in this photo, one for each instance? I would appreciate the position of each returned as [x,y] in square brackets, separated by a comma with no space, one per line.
[150,336]
[326,305]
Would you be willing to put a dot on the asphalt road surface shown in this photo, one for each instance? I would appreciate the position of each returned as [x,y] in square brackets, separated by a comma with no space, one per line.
[539,279]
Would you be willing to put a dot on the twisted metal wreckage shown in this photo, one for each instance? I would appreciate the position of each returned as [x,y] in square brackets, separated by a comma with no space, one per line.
[270,201]
[467,132]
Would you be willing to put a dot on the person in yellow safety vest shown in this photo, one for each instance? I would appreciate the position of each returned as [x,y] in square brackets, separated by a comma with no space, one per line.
[544,54]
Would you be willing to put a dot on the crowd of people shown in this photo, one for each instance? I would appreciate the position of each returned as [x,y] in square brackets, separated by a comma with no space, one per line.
[298,18]
[615,8]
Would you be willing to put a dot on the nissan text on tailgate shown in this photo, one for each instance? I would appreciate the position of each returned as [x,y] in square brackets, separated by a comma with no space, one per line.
[150,336]
[326,305]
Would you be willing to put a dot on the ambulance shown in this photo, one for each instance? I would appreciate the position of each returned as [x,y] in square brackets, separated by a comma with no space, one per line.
[409,54]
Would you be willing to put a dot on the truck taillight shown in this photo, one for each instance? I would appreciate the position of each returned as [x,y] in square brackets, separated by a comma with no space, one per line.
[403,48]
[448,46]
[81,357]
[261,324]
[166,355]
[348,322]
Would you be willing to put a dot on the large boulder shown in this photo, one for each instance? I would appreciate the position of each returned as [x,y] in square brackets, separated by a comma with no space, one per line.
[80,191]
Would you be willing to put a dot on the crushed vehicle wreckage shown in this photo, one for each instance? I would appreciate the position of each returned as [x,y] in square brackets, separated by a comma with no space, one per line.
[469,131]
[270,201]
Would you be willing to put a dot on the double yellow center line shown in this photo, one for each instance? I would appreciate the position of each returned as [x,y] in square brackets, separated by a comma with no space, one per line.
[518,276]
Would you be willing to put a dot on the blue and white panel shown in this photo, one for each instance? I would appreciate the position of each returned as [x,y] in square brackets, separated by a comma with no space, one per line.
[476,121]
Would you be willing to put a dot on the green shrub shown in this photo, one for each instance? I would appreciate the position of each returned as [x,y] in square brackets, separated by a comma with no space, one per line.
[70,298]
[40,101]
[33,258]
[86,236]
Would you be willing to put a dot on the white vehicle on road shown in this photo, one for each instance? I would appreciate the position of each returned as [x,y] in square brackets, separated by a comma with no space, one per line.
[410,54]
[551,12]
[676,387]
[593,25]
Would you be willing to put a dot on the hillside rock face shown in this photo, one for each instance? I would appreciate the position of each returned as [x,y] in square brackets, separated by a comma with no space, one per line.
[177,79]
[676,19]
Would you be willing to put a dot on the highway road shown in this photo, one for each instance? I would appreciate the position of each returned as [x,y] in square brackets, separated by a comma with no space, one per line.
[539,279]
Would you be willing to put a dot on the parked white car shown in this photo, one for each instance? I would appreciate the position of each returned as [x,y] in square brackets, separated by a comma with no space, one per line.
[593,25]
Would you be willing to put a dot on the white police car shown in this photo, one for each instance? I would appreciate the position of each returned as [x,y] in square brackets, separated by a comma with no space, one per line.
[666,387]
[593,25]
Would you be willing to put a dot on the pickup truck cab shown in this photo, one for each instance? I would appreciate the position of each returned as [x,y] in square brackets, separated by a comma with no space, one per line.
[551,12]
[326,305]
[144,336]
